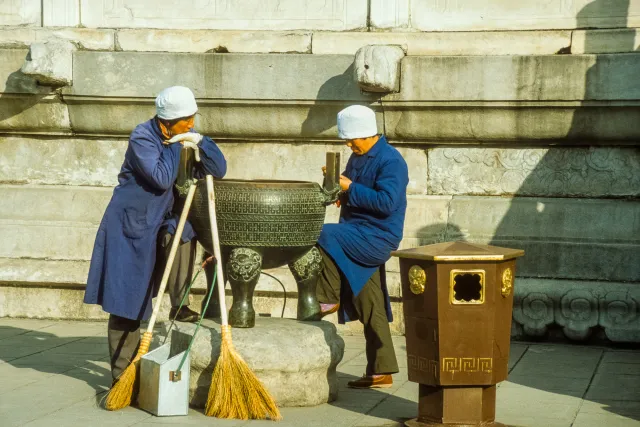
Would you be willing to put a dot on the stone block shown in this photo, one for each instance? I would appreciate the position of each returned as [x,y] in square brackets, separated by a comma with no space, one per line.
[42,203]
[605,41]
[61,161]
[200,41]
[482,15]
[553,234]
[50,63]
[391,14]
[447,44]
[217,76]
[32,113]
[337,15]
[377,68]
[547,172]
[21,12]
[61,13]
[83,38]
[296,361]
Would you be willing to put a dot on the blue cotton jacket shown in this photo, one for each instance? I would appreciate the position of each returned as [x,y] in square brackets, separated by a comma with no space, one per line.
[124,253]
[371,217]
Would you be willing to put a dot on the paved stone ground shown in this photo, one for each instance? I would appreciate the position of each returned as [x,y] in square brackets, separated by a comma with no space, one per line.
[55,373]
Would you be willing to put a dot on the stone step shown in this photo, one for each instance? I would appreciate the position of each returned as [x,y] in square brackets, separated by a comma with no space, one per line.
[569,238]
[54,290]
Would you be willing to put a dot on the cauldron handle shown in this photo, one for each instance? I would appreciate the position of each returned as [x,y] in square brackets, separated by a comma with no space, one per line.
[331,184]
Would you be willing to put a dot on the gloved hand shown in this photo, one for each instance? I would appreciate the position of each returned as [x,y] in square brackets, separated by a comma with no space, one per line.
[183,137]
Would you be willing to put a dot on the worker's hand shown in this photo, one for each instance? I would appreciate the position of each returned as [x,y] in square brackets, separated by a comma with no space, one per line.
[192,137]
[324,171]
[345,183]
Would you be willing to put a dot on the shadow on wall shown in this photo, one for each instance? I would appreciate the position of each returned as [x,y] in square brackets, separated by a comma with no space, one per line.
[562,235]
[332,97]
[15,99]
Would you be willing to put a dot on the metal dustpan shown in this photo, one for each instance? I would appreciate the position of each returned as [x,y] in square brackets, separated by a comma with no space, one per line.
[164,377]
[164,384]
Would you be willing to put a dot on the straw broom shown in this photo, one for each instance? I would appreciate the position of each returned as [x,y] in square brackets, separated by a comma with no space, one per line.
[235,391]
[121,393]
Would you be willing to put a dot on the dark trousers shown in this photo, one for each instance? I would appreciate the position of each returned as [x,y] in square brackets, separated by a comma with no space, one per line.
[124,334]
[368,307]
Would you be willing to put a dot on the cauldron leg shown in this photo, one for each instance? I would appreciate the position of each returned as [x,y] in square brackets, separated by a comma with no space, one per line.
[243,270]
[305,270]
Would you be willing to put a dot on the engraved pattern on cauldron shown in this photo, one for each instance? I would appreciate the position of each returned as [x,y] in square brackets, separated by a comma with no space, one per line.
[261,216]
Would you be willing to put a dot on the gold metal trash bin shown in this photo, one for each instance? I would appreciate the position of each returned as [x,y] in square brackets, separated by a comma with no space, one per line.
[457,301]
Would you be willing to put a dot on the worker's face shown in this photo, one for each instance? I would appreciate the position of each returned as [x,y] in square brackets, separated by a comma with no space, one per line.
[181,126]
[361,146]
[176,127]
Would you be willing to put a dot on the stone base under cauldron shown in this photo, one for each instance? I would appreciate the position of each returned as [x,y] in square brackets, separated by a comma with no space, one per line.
[295,360]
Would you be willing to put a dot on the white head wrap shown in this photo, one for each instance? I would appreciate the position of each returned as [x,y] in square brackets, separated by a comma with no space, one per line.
[356,121]
[176,102]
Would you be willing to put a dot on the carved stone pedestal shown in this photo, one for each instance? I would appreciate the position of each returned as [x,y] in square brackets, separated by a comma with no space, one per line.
[296,361]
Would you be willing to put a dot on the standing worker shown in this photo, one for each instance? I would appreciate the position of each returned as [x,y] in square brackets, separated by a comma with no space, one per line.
[137,225]
[373,204]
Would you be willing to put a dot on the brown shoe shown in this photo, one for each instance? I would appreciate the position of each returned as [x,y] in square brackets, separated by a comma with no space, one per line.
[327,309]
[372,381]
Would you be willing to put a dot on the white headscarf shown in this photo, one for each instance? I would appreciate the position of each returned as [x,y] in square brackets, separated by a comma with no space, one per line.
[176,102]
[356,121]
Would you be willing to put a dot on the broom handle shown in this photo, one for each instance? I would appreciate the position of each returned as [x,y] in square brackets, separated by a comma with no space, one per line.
[172,254]
[216,250]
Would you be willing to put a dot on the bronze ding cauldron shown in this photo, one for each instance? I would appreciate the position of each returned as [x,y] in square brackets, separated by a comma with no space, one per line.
[265,224]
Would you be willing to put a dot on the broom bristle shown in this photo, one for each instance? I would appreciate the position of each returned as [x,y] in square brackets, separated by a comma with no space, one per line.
[122,391]
[235,390]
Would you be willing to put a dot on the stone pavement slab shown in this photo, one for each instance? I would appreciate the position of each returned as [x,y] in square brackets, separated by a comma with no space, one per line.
[56,373]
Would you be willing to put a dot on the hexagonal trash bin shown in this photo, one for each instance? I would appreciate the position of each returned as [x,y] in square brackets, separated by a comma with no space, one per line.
[457,300]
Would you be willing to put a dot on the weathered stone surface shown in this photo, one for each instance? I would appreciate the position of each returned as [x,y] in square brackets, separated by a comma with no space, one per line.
[32,113]
[296,361]
[50,63]
[447,44]
[511,124]
[519,78]
[61,13]
[143,40]
[392,14]
[233,77]
[575,172]
[605,41]
[61,161]
[449,15]
[579,239]
[21,12]
[83,38]
[578,306]
[377,68]
[238,15]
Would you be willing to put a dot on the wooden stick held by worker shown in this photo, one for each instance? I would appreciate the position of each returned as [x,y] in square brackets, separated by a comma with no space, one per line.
[121,393]
[235,391]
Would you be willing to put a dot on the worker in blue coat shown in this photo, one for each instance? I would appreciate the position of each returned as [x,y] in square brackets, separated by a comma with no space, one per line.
[373,203]
[133,238]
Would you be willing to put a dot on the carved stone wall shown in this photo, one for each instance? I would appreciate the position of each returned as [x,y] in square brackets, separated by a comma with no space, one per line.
[578,307]
[548,172]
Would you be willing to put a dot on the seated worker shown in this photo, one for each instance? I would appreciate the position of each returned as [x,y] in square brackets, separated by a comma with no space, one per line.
[121,276]
[373,203]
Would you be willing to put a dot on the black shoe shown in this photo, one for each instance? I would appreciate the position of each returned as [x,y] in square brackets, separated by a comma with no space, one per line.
[184,315]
